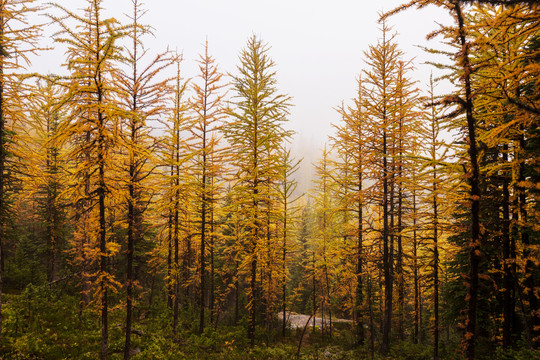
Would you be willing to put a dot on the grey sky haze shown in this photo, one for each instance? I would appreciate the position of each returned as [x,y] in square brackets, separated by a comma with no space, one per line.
[317,46]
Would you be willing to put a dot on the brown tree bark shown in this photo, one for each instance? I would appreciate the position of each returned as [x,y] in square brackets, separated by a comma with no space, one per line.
[474,184]
[2,171]
[508,280]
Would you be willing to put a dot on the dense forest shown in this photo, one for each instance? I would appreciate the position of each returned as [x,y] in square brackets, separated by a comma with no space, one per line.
[146,215]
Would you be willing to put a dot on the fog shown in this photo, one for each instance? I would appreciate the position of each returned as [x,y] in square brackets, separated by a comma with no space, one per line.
[317,47]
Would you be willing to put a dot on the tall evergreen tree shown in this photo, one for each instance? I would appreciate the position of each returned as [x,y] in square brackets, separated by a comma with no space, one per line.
[93,114]
[255,135]
[209,109]
[143,100]
[351,140]
[381,78]
[175,198]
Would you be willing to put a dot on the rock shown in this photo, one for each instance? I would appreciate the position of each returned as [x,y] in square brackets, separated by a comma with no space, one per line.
[327,354]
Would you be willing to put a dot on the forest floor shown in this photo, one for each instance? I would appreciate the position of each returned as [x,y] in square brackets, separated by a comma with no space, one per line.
[298,321]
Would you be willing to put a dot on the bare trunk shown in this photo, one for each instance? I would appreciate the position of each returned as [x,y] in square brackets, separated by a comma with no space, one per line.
[284,269]
[170,283]
[474,194]
[387,261]
[101,189]
[529,281]
[202,292]
[204,199]
[434,131]
[415,272]
[2,173]
[102,248]
[236,295]
[129,273]
[212,269]
[176,268]
[132,200]
[359,257]
[508,299]
[252,309]
[435,271]
[371,322]
[399,261]
[176,214]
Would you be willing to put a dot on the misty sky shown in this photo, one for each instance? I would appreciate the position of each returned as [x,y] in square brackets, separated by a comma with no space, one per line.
[317,46]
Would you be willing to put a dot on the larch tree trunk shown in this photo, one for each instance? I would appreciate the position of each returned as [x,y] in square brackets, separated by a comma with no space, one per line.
[474,184]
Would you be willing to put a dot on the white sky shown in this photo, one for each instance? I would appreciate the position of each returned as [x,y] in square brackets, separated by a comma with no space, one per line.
[317,46]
